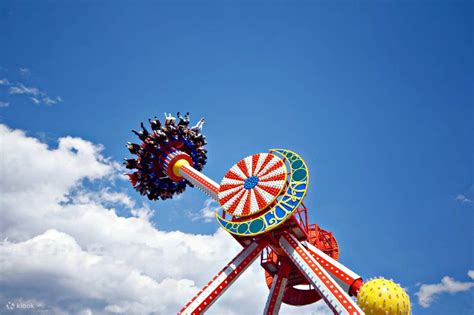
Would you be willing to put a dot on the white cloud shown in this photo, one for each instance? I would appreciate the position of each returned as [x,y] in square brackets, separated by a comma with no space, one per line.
[70,272]
[35,94]
[117,197]
[50,101]
[24,71]
[470,274]
[428,292]
[207,213]
[49,176]
[462,198]
[19,88]
[66,248]
[4,104]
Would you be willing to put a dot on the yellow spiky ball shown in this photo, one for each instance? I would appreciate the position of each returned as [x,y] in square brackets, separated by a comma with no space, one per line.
[383,297]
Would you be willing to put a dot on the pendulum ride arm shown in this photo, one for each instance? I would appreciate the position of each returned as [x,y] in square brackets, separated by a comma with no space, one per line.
[334,296]
[278,288]
[198,179]
[346,278]
[222,281]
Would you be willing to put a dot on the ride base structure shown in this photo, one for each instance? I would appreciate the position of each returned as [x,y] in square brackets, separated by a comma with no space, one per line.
[261,197]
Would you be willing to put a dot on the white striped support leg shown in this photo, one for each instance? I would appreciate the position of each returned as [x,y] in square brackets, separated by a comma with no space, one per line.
[345,277]
[201,181]
[276,291]
[222,281]
[334,296]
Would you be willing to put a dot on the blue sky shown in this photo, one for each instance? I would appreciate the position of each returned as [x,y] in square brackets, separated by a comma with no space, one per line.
[376,96]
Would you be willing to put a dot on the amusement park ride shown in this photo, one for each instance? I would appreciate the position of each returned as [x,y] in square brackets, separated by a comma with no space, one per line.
[261,197]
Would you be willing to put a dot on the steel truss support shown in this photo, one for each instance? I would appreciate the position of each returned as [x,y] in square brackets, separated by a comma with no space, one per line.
[223,280]
[278,288]
[334,296]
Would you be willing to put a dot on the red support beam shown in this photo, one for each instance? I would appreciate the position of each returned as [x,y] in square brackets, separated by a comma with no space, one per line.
[278,288]
[349,280]
[334,296]
[223,280]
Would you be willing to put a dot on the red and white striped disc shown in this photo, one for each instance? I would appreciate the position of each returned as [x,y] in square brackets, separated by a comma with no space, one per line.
[252,184]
